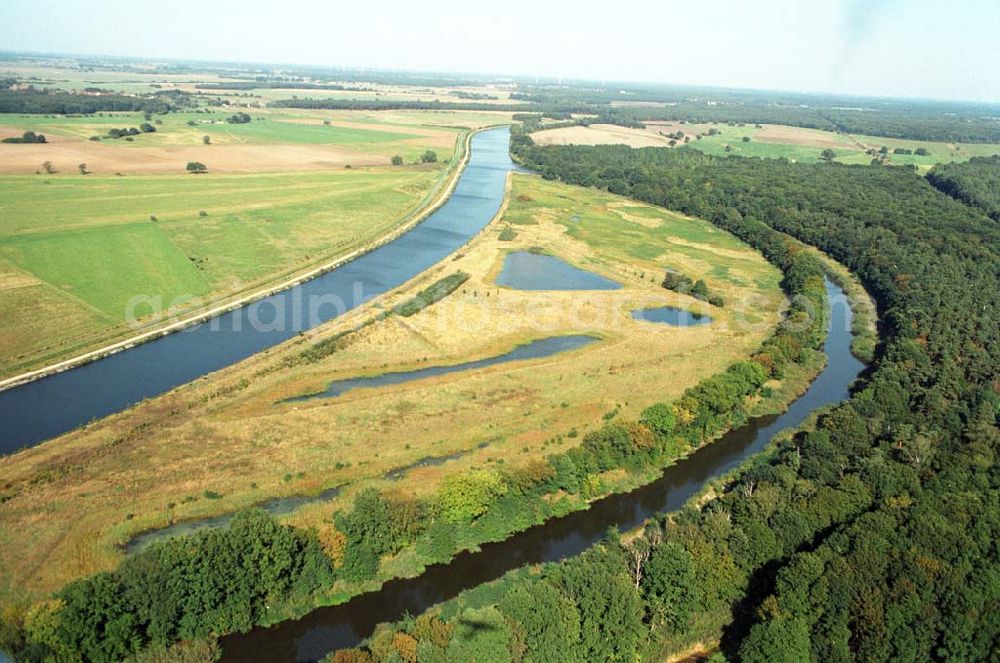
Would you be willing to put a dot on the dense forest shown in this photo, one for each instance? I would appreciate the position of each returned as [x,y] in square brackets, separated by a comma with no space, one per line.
[975,182]
[918,120]
[870,536]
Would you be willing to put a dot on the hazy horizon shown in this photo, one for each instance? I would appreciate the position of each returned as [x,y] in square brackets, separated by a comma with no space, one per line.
[881,48]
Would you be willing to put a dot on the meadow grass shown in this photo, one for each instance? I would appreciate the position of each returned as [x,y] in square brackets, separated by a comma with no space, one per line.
[277,132]
[940,152]
[92,244]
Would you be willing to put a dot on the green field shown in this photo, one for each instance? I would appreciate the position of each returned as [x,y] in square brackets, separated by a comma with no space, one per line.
[849,151]
[275,132]
[267,128]
[77,249]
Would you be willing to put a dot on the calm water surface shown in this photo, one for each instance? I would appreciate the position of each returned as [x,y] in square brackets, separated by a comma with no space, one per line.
[524,270]
[671,315]
[545,347]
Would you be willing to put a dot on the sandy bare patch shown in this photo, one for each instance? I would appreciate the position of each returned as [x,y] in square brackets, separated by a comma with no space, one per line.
[621,209]
[66,155]
[14,280]
[599,134]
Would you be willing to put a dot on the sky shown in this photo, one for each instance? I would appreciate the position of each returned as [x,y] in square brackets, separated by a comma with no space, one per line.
[947,49]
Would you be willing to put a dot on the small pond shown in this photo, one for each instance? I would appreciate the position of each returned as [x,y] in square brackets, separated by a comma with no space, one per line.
[544,347]
[524,270]
[671,315]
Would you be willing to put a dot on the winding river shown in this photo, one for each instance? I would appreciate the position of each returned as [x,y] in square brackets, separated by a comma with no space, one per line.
[326,629]
[50,406]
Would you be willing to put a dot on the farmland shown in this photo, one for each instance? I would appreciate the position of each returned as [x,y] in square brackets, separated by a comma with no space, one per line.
[284,192]
[271,142]
[93,243]
[263,447]
[767,141]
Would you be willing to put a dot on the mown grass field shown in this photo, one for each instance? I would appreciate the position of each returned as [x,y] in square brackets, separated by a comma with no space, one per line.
[69,504]
[81,247]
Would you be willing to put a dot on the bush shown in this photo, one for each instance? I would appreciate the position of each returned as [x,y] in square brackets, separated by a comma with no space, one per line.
[183,588]
[432,294]
[660,418]
[26,137]
[465,497]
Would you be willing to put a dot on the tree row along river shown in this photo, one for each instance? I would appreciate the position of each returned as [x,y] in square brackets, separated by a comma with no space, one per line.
[60,402]
[326,629]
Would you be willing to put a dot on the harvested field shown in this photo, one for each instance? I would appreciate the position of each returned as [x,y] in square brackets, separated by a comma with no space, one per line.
[784,135]
[66,154]
[599,134]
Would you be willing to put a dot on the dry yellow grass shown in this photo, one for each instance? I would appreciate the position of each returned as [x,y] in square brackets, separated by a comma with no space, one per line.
[66,152]
[600,134]
[784,135]
[72,501]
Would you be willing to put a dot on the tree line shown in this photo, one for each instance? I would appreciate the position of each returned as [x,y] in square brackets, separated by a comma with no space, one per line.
[975,182]
[57,102]
[26,137]
[214,581]
[915,120]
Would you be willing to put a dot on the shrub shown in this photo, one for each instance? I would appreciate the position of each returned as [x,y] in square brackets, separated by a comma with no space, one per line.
[431,294]
[465,497]
[26,137]
[660,418]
